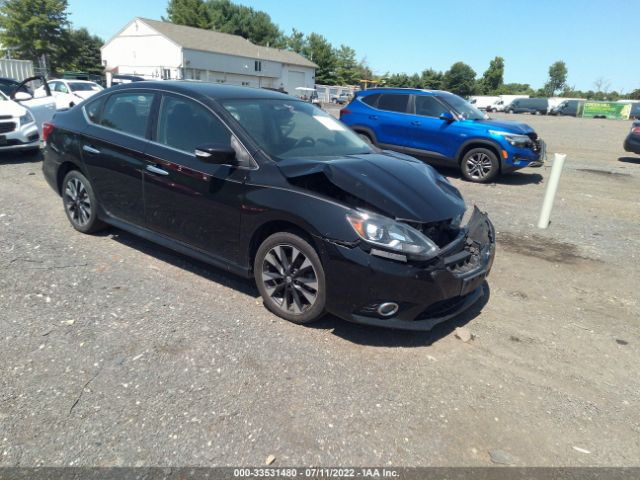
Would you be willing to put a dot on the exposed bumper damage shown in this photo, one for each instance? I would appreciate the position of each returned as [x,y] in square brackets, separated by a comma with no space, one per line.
[426,294]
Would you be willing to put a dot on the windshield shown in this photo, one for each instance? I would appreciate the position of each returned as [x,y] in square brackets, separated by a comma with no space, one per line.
[83,87]
[291,128]
[462,107]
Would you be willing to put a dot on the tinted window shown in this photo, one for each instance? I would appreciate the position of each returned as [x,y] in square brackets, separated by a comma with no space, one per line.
[393,102]
[371,100]
[128,112]
[186,125]
[428,106]
[93,109]
[86,87]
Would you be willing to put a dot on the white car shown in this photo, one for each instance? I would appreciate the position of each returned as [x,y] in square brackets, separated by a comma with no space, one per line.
[22,116]
[70,92]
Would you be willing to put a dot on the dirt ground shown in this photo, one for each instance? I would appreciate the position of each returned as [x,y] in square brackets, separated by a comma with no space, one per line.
[118,352]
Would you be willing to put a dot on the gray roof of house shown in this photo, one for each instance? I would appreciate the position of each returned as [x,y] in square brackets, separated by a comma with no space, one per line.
[210,41]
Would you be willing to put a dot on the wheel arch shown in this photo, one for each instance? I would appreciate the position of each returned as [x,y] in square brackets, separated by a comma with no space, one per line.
[63,169]
[480,143]
[272,226]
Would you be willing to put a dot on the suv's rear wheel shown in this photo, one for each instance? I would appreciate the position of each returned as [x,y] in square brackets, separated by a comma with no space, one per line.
[480,165]
[290,278]
[366,138]
[80,203]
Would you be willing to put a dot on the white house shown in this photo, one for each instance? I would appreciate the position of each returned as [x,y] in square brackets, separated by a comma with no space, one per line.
[163,50]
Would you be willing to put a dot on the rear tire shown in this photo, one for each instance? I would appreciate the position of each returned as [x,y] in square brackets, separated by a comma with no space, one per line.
[80,203]
[290,277]
[480,165]
[366,138]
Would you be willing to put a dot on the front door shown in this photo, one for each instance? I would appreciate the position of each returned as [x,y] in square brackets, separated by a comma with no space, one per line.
[434,138]
[113,148]
[191,201]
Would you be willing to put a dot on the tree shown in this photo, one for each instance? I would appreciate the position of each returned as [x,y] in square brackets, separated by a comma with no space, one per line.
[251,24]
[635,95]
[32,28]
[460,79]
[193,13]
[347,72]
[602,84]
[320,51]
[516,89]
[432,79]
[492,79]
[81,52]
[296,41]
[557,78]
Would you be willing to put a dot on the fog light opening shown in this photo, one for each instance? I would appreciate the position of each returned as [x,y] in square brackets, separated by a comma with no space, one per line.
[387,309]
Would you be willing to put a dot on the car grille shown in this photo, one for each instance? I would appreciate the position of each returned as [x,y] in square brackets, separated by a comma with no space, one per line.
[6,117]
[442,308]
[7,127]
[440,233]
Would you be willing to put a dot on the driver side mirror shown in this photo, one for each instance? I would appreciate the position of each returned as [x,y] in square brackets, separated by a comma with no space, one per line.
[21,96]
[216,154]
[447,117]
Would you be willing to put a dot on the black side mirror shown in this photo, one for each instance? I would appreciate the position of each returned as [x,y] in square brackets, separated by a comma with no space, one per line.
[216,154]
[447,117]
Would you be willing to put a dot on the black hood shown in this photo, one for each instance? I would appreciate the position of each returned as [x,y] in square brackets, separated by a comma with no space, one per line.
[393,184]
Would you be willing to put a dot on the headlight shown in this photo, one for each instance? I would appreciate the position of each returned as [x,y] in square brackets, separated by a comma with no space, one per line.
[26,119]
[513,138]
[391,235]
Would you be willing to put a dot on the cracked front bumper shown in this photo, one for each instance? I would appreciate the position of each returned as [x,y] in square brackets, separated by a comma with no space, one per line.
[427,294]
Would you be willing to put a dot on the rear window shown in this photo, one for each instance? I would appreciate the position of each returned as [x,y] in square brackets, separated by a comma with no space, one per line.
[393,102]
[371,100]
[93,110]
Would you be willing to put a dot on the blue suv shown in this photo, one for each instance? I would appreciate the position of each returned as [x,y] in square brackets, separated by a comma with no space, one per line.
[443,129]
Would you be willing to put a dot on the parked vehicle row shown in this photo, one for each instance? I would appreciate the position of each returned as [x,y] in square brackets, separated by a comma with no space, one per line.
[271,187]
[22,115]
[443,129]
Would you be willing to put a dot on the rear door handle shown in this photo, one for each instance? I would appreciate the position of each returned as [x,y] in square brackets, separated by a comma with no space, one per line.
[90,149]
[154,169]
[416,123]
[373,117]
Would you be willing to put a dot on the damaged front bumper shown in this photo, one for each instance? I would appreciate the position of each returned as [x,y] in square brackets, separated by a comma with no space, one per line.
[425,294]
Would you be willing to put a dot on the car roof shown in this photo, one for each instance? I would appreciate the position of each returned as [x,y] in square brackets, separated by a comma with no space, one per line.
[212,90]
[371,91]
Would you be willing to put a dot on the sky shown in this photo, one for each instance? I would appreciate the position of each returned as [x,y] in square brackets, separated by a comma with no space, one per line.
[594,38]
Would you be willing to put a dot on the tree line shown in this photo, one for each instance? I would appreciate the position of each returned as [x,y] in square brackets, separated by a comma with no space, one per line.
[39,29]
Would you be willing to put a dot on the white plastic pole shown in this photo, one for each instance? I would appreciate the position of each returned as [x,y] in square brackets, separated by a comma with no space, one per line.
[552,188]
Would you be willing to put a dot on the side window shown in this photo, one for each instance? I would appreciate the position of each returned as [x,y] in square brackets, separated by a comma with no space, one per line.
[185,125]
[393,102]
[371,100]
[93,110]
[428,106]
[128,112]
[62,88]
[54,86]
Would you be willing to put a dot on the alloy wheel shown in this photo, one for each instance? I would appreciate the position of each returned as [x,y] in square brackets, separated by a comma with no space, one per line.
[479,165]
[290,279]
[77,202]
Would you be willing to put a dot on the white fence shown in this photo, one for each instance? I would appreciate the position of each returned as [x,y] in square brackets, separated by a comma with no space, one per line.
[16,69]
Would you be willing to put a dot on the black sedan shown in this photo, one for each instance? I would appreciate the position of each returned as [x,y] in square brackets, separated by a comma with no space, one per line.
[632,142]
[266,186]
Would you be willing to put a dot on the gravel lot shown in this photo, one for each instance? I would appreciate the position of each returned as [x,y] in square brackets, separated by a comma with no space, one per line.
[114,351]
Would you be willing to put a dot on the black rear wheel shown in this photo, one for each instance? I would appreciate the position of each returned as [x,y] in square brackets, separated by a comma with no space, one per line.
[80,203]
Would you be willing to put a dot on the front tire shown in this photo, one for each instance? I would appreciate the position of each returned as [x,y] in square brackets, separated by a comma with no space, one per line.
[80,203]
[290,277]
[480,165]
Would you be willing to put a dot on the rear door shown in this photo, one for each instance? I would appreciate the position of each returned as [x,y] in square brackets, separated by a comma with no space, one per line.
[186,199]
[113,148]
[391,120]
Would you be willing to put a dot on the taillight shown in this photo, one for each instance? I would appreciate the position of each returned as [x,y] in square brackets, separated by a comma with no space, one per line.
[47,128]
[635,130]
[344,111]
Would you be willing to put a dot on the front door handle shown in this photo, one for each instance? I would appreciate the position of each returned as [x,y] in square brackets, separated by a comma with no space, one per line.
[373,117]
[154,169]
[90,149]
[416,123]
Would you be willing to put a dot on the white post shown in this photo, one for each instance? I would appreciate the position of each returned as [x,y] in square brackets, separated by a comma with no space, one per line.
[552,188]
